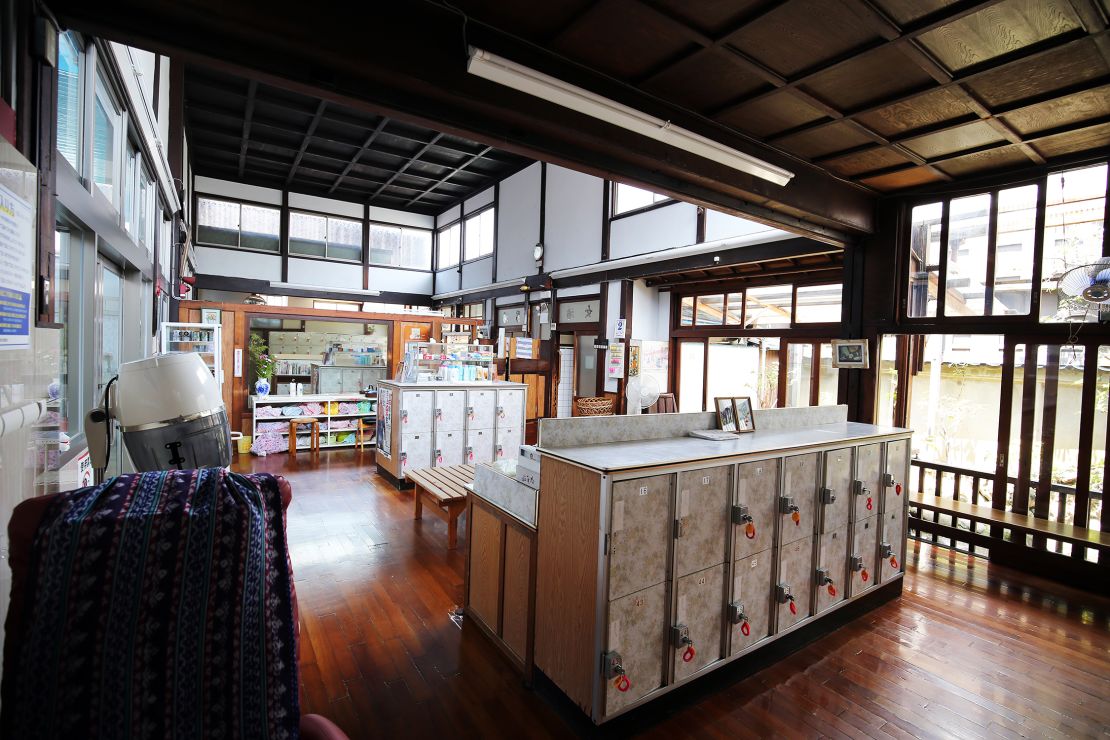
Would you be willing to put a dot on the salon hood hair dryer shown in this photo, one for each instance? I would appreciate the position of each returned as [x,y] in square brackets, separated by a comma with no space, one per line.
[170,411]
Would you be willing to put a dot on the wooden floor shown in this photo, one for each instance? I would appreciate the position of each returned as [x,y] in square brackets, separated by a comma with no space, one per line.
[969,650]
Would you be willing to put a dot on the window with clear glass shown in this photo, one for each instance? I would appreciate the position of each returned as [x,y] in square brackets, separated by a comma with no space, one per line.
[768,307]
[743,366]
[734,308]
[70,124]
[106,123]
[819,304]
[799,374]
[397,246]
[60,400]
[629,198]
[344,239]
[223,223]
[144,208]
[1074,216]
[132,165]
[447,251]
[966,272]
[925,226]
[711,309]
[691,376]
[1014,251]
[473,310]
[686,314]
[479,235]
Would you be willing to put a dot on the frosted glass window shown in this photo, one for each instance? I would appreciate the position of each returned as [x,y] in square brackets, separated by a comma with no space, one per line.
[224,223]
[479,235]
[629,198]
[69,99]
[395,246]
[448,249]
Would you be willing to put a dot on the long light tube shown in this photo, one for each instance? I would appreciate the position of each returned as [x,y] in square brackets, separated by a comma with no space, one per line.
[504,72]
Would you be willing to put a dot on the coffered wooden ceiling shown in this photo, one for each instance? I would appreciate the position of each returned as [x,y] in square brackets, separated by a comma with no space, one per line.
[890,94]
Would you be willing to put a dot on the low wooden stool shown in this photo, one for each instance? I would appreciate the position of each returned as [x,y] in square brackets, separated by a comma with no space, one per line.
[364,425]
[314,425]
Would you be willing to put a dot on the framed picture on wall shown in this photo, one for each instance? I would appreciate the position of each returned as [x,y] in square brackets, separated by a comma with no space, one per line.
[742,412]
[210,316]
[726,414]
[850,353]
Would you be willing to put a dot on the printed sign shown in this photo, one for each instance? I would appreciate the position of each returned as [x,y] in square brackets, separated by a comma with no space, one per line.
[614,368]
[579,312]
[17,236]
[622,327]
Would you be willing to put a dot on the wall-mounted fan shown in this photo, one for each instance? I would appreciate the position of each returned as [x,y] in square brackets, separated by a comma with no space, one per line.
[1086,287]
[642,391]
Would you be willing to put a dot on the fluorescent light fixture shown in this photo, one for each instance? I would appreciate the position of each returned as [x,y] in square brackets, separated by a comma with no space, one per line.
[324,288]
[504,72]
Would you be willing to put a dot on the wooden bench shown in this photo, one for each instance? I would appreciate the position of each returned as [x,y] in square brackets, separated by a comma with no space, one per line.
[1019,523]
[443,487]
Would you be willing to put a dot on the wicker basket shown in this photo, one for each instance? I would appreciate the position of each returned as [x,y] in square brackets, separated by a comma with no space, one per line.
[594,406]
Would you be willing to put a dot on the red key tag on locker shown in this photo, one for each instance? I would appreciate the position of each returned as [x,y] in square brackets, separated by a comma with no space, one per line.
[893,562]
[793,608]
[749,531]
[622,683]
[688,655]
[797,519]
[869,504]
[832,590]
[898,489]
[864,575]
[745,629]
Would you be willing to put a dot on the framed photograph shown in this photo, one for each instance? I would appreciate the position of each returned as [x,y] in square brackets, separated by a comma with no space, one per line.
[742,412]
[850,353]
[726,414]
[210,316]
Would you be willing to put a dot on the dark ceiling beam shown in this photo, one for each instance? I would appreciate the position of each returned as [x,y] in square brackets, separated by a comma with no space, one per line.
[304,142]
[446,177]
[358,155]
[667,282]
[405,167]
[252,88]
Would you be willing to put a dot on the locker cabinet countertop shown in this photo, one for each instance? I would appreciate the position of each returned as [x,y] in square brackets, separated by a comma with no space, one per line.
[608,457]
[437,384]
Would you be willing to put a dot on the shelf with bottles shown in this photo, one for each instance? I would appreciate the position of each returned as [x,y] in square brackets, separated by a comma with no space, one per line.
[451,352]
[201,339]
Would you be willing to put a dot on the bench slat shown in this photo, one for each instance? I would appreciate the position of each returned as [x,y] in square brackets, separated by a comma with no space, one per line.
[444,484]
[989,515]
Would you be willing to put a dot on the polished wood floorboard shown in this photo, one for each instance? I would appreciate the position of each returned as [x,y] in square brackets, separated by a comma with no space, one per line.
[969,650]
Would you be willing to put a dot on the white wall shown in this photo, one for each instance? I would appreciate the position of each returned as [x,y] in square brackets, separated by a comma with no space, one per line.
[447,280]
[562,293]
[327,275]
[211,261]
[723,225]
[518,223]
[573,219]
[671,226]
[325,205]
[452,214]
[477,273]
[402,218]
[612,313]
[400,281]
[227,189]
[480,200]
[650,312]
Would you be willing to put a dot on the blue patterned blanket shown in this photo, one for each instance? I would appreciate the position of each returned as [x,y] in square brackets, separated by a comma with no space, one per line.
[160,606]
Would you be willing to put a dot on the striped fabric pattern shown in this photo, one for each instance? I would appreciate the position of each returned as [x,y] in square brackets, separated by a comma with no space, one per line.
[160,606]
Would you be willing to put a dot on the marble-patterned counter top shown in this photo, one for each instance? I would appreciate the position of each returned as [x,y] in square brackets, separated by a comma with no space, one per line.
[609,457]
[495,483]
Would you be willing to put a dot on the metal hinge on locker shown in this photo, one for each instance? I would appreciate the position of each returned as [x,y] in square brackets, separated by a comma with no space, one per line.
[612,666]
[863,490]
[824,579]
[785,595]
[887,551]
[680,637]
[736,615]
[888,481]
[855,564]
[787,506]
[740,515]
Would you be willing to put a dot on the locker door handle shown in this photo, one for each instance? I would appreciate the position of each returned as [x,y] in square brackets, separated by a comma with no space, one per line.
[679,528]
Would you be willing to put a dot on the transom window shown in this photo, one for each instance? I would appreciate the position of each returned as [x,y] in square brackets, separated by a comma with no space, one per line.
[329,237]
[448,243]
[630,198]
[400,246]
[478,230]
[224,223]
[764,307]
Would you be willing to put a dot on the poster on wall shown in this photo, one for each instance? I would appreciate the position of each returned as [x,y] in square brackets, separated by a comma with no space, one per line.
[385,419]
[633,359]
[17,264]
[614,368]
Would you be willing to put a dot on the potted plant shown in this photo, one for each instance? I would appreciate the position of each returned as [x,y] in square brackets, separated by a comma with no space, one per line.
[263,364]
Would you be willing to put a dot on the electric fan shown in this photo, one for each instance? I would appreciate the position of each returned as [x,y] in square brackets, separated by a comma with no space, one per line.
[1086,287]
[642,391]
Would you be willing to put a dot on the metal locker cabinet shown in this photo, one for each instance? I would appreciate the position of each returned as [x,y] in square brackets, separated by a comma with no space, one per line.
[481,409]
[416,451]
[698,618]
[866,488]
[416,411]
[640,534]
[799,490]
[449,448]
[862,574]
[757,495]
[509,440]
[450,410]
[892,545]
[751,599]
[832,564]
[835,495]
[510,407]
[895,488]
[637,635]
[701,518]
[479,446]
[795,578]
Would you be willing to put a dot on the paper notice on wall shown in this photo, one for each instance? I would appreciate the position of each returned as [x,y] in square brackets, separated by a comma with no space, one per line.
[17,264]
[614,367]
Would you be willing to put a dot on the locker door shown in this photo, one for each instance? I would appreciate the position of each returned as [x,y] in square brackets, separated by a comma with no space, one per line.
[861,565]
[866,488]
[449,448]
[698,617]
[892,546]
[416,411]
[450,411]
[479,447]
[416,451]
[796,579]
[757,490]
[640,533]
[894,482]
[799,490]
[480,410]
[832,564]
[836,490]
[750,602]
[508,443]
[510,407]
[637,634]
[701,518]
